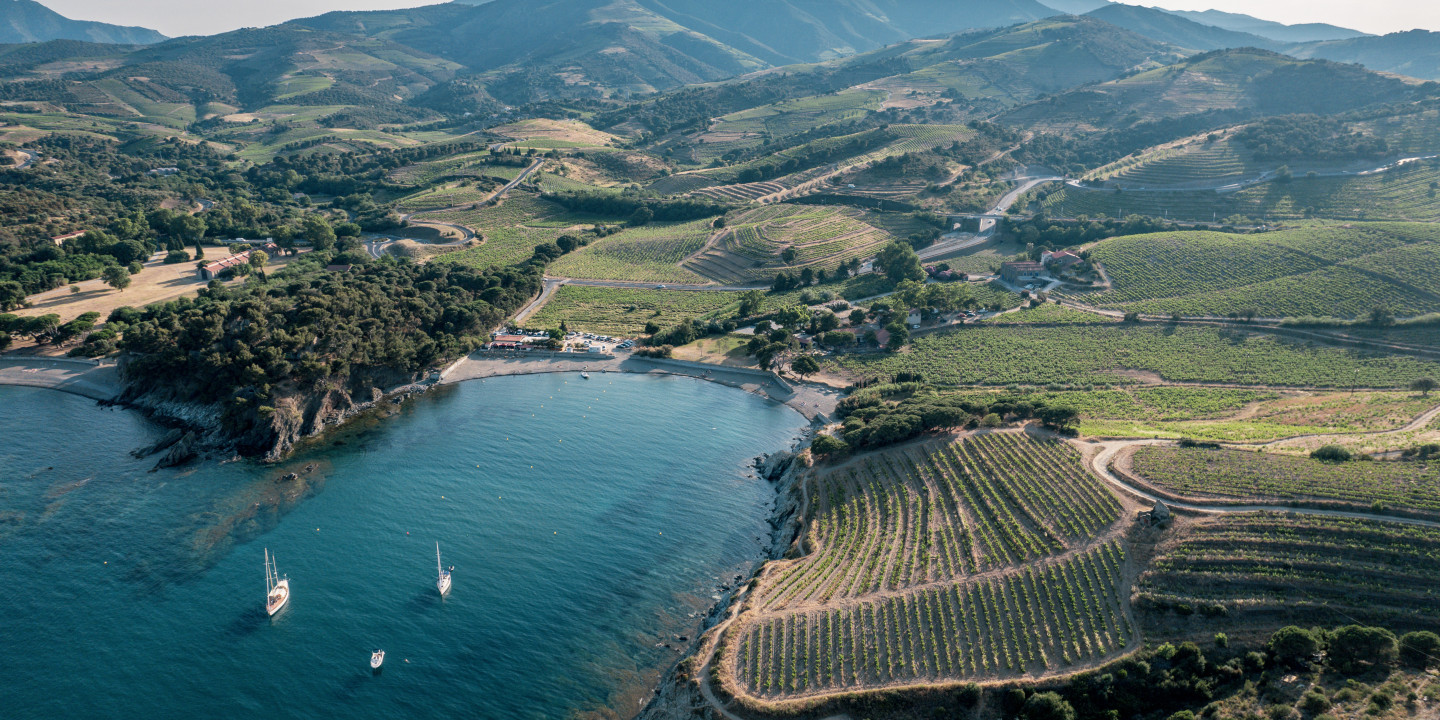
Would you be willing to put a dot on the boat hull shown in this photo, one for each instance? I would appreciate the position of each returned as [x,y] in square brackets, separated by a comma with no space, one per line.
[278,599]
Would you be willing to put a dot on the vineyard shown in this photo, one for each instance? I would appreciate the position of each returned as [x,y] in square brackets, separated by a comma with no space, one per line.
[986,557]
[789,117]
[623,312]
[1216,163]
[820,237]
[646,254]
[507,239]
[1402,194]
[1367,570]
[743,193]
[1100,355]
[1198,472]
[1318,271]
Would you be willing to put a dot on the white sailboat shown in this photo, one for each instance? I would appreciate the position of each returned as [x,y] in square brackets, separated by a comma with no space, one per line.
[277,589]
[444,582]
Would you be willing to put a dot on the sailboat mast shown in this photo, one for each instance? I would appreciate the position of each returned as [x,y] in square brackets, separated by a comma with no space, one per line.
[439,569]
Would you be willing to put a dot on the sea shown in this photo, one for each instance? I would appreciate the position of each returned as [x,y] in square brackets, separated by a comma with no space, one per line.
[590,524]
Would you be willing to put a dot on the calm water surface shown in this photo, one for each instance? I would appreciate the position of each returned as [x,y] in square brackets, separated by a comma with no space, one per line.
[588,521]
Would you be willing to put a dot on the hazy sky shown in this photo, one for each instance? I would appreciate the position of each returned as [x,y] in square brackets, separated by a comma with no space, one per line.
[189,17]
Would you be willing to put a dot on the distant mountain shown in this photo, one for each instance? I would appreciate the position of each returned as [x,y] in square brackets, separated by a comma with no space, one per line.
[1075,7]
[534,49]
[27,21]
[1240,84]
[790,31]
[1415,53]
[1167,27]
[1307,32]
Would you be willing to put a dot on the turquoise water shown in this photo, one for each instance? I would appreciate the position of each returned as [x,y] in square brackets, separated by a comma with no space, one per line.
[588,522]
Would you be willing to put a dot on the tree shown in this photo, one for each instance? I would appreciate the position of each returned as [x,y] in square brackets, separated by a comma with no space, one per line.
[1059,419]
[788,255]
[116,277]
[1424,386]
[567,243]
[1047,706]
[805,366]
[750,302]
[899,335]
[829,447]
[1293,645]
[899,262]
[1381,317]
[1354,647]
[642,216]
[317,230]
[188,228]
[258,258]
[1420,649]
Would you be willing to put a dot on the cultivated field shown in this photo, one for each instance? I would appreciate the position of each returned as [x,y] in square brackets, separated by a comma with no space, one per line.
[1102,355]
[1249,475]
[988,557]
[1310,570]
[1337,271]
[1403,194]
[652,253]
[625,311]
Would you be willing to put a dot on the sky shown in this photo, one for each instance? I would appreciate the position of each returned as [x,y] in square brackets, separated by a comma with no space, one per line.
[204,17]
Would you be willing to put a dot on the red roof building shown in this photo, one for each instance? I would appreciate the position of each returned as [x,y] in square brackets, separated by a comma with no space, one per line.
[1015,272]
[213,270]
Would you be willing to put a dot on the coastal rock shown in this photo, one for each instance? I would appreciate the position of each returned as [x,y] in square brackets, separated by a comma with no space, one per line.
[773,466]
[165,441]
[181,452]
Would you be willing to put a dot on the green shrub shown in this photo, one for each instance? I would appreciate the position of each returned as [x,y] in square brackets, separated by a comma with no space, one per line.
[1332,453]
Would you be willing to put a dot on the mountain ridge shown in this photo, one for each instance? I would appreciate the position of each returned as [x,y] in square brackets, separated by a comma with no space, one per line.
[27,21]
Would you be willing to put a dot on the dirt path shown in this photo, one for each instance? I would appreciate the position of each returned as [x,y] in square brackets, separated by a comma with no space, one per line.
[1100,465]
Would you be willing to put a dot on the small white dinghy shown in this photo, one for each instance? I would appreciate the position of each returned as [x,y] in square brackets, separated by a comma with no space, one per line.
[443,583]
[277,589]
[377,659]
[585,373]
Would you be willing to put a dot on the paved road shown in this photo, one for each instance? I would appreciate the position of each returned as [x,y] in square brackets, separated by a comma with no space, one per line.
[27,159]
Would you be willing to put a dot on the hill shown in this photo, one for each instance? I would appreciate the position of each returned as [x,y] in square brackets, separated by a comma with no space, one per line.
[1415,53]
[1245,82]
[27,21]
[1167,27]
[1301,33]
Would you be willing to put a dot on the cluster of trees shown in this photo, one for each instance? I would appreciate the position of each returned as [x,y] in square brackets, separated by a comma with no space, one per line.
[45,329]
[874,419]
[1309,137]
[1052,234]
[785,282]
[637,209]
[250,348]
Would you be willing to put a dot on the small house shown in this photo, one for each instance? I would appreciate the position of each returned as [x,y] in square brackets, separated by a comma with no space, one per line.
[1062,260]
[1018,272]
[61,239]
[215,269]
[913,319]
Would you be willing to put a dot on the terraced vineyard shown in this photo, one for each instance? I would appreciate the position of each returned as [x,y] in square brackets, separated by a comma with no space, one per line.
[1213,163]
[1263,563]
[740,193]
[789,117]
[647,254]
[1322,271]
[1198,472]
[822,237]
[989,557]
[508,229]
[1117,354]
[1403,194]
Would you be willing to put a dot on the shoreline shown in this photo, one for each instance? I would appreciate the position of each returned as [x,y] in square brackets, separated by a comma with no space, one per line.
[815,402]
[86,378]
